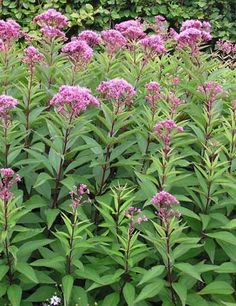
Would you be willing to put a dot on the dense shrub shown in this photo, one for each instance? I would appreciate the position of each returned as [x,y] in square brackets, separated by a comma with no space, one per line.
[117,166]
[100,14]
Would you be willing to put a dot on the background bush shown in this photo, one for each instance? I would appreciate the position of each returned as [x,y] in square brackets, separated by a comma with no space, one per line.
[103,13]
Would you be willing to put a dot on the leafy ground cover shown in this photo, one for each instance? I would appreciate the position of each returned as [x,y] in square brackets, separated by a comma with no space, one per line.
[117,165]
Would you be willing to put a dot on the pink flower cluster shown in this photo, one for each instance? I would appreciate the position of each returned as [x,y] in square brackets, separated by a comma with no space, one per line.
[113,40]
[32,56]
[51,22]
[72,100]
[211,90]
[226,46]
[91,37]
[193,33]
[174,102]
[78,51]
[7,180]
[77,195]
[153,89]
[164,202]
[153,45]
[135,217]
[51,18]
[161,26]
[118,90]
[9,31]
[6,104]
[132,30]
[164,130]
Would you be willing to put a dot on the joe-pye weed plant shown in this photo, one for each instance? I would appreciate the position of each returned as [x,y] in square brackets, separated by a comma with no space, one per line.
[117,164]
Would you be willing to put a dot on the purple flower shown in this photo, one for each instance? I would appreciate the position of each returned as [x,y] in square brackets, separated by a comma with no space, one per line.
[9,31]
[55,301]
[7,180]
[153,89]
[91,37]
[32,56]
[153,45]
[164,131]
[72,100]
[135,217]
[193,33]
[118,90]
[51,22]
[6,104]
[131,29]
[226,46]
[113,40]
[211,90]
[164,203]
[51,18]
[50,33]
[77,195]
[78,51]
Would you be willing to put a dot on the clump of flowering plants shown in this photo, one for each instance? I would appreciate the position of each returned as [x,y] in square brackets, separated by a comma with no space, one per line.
[117,165]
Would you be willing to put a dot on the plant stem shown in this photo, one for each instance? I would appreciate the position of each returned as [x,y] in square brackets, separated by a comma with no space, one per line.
[27,113]
[71,242]
[169,265]
[6,147]
[127,252]
[6,243]
[62,160]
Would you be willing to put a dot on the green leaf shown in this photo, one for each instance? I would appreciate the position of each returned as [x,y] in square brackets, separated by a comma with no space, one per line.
[188,269]
[14,293]
[129,294]
[181,290]
[67,285]
[217,287]
[223,236]
[51,215]
[111,299]
[3,271]
[41,294]
[150,290]
[27,271]
[152,273]
[226,267]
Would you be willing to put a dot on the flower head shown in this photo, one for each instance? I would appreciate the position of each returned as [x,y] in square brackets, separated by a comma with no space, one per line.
[55,301]
[153,89]
[72,100]
[135,216]
[161,25]
[9,31]
[192,33]
[7,180]
[113,40]
[32,56]
[78,51]
[123,26]
[50,33]
[164,131]
[164,203]
[6,104]
[91,37]
[131,29]
[153,45]
[78,195]
[118,90]
[226,46]
[211,90]
[51,18]
[51,22]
